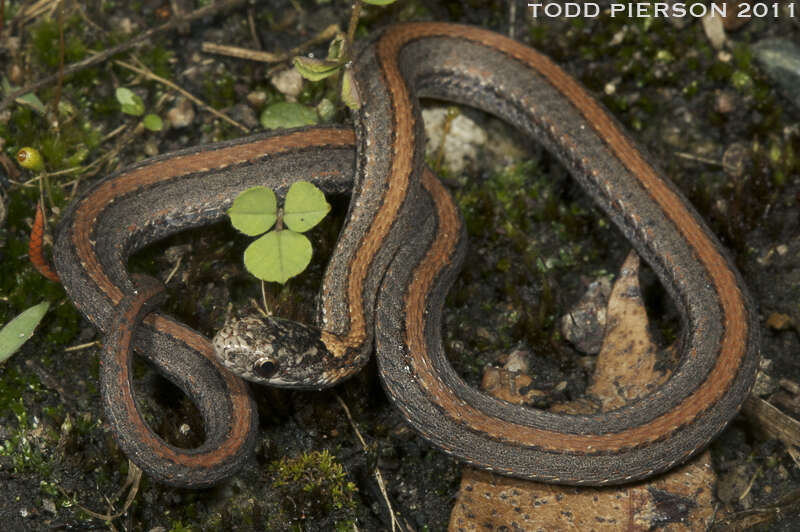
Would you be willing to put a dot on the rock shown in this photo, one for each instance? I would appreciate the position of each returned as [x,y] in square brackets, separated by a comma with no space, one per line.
[780,59]
[181,114]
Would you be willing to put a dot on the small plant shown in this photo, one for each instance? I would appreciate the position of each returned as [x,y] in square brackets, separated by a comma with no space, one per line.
[30,159]
[19,330]
[131,104]
[340,53]
[284,252]
[316,485]
[337,63]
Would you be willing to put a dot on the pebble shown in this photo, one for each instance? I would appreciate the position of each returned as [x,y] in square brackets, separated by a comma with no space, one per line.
[463,141]
[257,99]
[288,82]
[780,60]
[732,22]
[181,114]
[585,324]
[735,159]
[724,101]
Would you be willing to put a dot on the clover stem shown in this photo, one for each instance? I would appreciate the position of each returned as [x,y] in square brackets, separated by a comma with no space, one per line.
[279,220]
[351,29]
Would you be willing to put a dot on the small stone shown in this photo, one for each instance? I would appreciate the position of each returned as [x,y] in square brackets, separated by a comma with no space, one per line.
[151,147]
[735,159]
[181,114]
[780,59]
[288,82]
[15,74]
[732,22]
[11,44]
[517,361]
[49,506]
[732,485]
[585,324]
[764,385]
[245,114]
[484,334]
[257,99]
[725,101]
[779,322]
[714,30]
[462,142]
[122,24]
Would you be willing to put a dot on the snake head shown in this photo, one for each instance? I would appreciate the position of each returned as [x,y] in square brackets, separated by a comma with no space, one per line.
[276,352]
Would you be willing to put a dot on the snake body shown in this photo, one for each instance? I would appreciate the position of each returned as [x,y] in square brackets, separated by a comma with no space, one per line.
[398,253]
[145,203]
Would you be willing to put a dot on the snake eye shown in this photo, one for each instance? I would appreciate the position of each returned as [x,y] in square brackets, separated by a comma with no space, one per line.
[265,368]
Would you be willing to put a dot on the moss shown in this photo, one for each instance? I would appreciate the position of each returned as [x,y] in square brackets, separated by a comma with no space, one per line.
[157,59]
[178,526]
[23,446]
[218,90]
[45,40]
[314,486]
[65,147]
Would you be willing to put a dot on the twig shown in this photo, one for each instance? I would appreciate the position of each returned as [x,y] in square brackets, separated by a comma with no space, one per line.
[270,57]
[60,82]
[174,270]
[88,20]
[267,312]
[378,476]
[144,71]
[351,28]
[114,50]
[251,24]
[81,346]
[31,12]
[691,157]
[243,53]
[512,20]
[133,480]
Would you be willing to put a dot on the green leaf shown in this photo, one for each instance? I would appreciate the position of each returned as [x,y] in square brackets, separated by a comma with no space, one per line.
[304,207]
[278,255]
[20,329]
[336,48]
[350,95]
[287,114]
[153,122]
[379,2]
[316,69]
[254,211]
[32,101]
[130,102]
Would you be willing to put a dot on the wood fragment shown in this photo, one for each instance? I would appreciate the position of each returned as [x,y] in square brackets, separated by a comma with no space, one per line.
[270,57]
[772,421]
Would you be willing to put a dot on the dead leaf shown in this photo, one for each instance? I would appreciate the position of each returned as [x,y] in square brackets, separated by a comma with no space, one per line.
[682,499]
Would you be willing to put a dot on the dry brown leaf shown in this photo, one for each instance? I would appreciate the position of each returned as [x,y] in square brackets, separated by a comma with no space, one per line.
[681,500]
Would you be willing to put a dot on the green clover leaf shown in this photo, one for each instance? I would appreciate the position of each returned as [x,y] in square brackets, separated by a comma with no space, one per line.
[254,211]
[305,207]
[287,114]
[278,255]
[130,101]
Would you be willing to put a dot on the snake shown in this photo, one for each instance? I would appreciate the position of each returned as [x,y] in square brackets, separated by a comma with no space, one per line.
[397,255]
